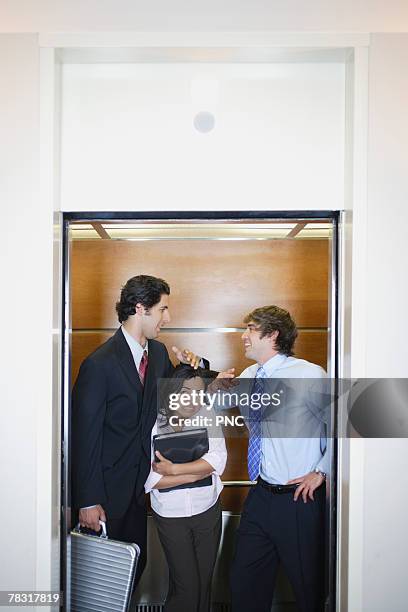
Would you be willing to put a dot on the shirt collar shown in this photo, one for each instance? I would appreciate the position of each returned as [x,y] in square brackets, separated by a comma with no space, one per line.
[273,364]
[135,348]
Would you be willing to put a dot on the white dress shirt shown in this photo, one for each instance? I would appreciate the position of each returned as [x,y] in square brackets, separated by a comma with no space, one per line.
[191,501]
[136,349]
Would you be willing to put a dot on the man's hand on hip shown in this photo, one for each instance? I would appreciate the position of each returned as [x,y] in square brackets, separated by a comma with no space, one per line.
[90,517]
[307,485]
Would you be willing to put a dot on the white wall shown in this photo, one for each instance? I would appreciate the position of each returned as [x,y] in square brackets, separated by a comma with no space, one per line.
[387,294]
[290,15]
[385,532]
[26,258]
[128,140]
[27,254]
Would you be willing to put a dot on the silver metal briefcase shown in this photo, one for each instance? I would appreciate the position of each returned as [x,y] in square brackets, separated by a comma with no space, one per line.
[102,572]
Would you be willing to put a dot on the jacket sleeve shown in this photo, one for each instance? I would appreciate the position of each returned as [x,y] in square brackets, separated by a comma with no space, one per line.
[168,366]
[88,414]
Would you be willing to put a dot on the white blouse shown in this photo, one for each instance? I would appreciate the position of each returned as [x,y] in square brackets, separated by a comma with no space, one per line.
[189,502]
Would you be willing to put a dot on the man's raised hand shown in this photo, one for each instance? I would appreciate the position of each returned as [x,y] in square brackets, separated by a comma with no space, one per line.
[186,356]
[224,381]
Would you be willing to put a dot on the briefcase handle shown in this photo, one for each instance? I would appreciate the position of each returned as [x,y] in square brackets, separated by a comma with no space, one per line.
[103,535]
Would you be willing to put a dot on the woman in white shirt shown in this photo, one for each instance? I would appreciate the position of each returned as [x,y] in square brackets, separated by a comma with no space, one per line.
[188,520]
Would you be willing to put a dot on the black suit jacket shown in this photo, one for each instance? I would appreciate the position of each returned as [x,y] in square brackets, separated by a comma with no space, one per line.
[112,419]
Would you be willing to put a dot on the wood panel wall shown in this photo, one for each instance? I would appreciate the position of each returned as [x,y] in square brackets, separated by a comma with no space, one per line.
[214,284]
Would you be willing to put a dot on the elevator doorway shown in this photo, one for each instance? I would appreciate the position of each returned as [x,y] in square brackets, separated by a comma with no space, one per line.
[219,266]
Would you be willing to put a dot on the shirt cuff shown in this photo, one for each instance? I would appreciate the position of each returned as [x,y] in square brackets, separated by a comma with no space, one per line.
[216,461]
[151,481]
[88,507]
[323,464]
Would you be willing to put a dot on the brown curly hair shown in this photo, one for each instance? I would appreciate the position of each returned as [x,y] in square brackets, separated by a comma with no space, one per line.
[273,318]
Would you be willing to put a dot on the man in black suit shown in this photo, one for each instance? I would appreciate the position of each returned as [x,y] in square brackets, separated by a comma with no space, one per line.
[114,407]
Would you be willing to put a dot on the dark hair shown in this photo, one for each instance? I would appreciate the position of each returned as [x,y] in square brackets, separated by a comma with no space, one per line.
[175,383]
[142,289]
[273,318]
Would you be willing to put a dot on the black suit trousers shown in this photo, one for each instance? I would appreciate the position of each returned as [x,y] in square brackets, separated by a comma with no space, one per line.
[275,529]
[132,528]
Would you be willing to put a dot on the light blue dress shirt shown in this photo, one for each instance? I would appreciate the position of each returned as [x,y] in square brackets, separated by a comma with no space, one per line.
[286,457]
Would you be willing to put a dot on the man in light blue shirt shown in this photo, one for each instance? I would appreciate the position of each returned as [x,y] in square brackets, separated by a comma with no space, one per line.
[283,516]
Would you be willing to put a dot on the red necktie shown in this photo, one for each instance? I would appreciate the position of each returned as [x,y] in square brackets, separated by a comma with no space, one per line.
[143,367]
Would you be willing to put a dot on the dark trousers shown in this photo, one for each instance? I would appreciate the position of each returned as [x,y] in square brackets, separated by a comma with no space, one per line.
[132,527]
[275,529]
[190,545]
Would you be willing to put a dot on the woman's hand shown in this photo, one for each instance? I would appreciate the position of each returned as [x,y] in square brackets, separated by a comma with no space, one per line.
[164,467]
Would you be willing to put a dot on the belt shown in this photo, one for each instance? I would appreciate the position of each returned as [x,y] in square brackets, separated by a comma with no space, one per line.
[277,489]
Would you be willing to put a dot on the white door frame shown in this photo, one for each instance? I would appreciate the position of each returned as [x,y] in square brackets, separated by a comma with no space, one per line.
[55,49]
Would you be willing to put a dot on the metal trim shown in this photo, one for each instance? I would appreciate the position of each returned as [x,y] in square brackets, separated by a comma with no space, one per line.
[226,216]
[332,442]
[65,420]
[238,483]
[221,330]
[202,239]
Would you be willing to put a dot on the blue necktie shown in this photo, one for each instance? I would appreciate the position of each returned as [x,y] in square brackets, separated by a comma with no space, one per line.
[254,426]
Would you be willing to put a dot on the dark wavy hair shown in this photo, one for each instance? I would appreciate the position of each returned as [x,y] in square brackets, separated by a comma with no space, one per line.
[175,383]
[273,318]
[142,289]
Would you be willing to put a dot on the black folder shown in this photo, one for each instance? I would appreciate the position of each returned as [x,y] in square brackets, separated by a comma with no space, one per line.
[183,447]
